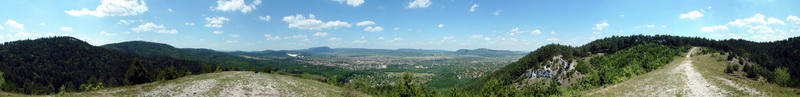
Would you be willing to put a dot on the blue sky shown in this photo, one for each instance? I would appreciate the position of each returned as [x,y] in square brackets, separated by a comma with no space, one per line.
[522,25]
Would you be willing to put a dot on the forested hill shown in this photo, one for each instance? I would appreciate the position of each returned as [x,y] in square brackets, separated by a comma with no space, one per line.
[766,55]
[155,50]
[54,64]
[146,49]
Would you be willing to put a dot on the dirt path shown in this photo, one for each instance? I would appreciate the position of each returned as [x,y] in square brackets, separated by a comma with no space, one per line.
[679,78]
[696,84]
[225,84]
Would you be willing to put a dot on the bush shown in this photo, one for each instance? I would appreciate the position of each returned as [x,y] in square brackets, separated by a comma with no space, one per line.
[731,68]
[781,76]
[2,79]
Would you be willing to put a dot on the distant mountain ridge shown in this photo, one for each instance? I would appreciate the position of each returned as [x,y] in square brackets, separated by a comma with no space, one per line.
[488,52]
[484,52]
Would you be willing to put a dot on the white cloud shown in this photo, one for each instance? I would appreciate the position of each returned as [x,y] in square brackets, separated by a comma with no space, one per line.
[396,39]
[536,32]
[477,36]
[190,24]
[650,26]
[497,13]
[772,20]
[691,15]
[270,37]
[553,32]
[759,28]
[373,29]
[296,37]
[381,38]
[14,25]
[170,10]
[487,38]
[714,28]
[126,22]
[794,19]
[236,5]
[601,25]
[168,31]
[300,22]
[596,32]
[229,41]
[216,22]
[365,23]
[1,28]
[757,19]
[66,29]
[264,18]
[113,8]
[149,26]
[355,3]
[441,26]
[42,24]
[321,34]
[218,32]
[419,4]
[235,35]
[107,34]
[334,39]
[474,6]
[552,39]
[396,28]
[516,31]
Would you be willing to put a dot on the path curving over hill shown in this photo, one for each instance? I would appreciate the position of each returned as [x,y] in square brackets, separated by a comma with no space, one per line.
[697,85]
[679,78]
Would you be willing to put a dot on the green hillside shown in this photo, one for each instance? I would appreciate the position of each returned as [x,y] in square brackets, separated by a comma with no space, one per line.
[615,59]
[54,64]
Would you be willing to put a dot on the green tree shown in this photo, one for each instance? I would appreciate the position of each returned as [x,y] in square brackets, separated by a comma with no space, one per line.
[781,76]
[333,80]
[267,69]
[2,79]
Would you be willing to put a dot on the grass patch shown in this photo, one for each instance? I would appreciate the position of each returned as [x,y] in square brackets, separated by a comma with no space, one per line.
[713,68]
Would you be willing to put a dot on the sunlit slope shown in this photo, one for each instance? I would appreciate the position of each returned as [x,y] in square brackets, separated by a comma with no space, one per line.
[224,84]
[692,75]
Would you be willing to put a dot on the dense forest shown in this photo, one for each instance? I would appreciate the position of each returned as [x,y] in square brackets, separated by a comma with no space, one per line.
[55,64]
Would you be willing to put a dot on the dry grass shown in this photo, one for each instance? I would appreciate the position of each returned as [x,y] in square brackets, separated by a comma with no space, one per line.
[223,84]
[713,69]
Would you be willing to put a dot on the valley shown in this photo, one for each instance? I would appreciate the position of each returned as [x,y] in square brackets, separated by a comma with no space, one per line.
[442,70]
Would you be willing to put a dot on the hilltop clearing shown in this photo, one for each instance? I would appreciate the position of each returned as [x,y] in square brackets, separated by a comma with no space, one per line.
[222,84]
